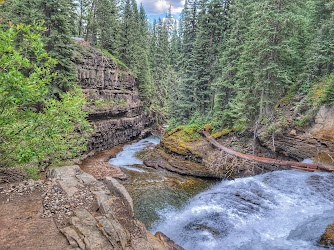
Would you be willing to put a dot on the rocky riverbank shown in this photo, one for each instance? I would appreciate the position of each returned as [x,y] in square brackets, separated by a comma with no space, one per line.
[108,223]
[91,214]
[185,151]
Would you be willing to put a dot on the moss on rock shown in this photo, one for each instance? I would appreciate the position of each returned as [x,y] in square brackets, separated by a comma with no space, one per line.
[327,239]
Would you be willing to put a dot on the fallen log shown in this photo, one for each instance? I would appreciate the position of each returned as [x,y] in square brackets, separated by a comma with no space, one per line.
[294,164]
[306,169]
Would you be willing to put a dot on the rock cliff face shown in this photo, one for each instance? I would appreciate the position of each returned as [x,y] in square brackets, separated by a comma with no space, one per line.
[114,105]
[315,141]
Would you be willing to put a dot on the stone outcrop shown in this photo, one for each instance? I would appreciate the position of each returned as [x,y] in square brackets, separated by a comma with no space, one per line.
[184,151]
[315,141]
[114,106]
[100,170]
[110,224]
[180,153]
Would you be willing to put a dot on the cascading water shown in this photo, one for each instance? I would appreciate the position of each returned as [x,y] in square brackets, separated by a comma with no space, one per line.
[155,189]
[127,157]
[279,210]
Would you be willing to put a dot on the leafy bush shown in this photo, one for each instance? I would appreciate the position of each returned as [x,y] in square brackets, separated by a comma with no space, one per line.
[34,129]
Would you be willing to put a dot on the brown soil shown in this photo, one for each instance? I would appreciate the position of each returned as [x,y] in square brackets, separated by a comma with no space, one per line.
[102,156]
[22,227]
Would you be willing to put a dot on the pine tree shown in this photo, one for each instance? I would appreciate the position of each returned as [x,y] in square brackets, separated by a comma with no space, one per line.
[160,66]
[144,74]
[59,21]
[320,56]
[206,52]
[107,22]
[269,58]
[175,49]
[187,64]
[237,22]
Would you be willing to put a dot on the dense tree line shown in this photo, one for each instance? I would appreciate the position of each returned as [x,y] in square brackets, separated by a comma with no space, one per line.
[238,58]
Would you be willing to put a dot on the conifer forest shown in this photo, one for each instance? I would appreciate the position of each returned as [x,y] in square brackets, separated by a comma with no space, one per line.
[228,62]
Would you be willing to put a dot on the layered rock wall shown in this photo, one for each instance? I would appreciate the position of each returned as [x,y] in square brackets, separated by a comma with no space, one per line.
[315,141]
[114,106]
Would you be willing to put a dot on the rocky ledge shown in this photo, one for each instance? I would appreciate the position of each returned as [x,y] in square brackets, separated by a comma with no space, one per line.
[185,151]
[114,106]
[315,141]
[104,218]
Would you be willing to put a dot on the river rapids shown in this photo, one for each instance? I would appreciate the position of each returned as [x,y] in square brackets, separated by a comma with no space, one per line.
[279,210]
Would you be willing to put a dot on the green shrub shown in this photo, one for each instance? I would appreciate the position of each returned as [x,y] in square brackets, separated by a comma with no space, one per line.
[34,128]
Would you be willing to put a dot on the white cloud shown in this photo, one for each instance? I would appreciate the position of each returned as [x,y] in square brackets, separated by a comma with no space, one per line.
[155,7]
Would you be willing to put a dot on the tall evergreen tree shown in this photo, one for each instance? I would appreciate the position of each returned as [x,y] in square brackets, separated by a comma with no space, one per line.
[188,35]
[160,66]
[175,49]
[108,28]
[237,22]
[269,57]
[320,54]
[206,52]
[59,21]
[144,73]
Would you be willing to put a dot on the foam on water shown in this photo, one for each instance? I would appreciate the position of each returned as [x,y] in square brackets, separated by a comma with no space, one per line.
[279,210]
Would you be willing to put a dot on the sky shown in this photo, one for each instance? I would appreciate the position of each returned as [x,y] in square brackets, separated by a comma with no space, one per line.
[158,8]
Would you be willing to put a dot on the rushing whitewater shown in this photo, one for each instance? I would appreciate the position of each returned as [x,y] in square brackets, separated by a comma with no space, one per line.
[279,210]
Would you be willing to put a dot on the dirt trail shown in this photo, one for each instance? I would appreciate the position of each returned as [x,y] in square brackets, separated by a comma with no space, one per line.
[21,225]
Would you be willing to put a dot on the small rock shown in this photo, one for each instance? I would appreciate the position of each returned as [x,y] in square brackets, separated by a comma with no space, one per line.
[293,132]
[31,182]
[39,183]
[327,239]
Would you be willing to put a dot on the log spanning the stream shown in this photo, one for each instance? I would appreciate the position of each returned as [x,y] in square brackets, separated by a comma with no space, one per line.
[297,165]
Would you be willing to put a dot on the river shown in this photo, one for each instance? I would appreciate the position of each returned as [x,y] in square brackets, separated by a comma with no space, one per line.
[154,190]
[279,210]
